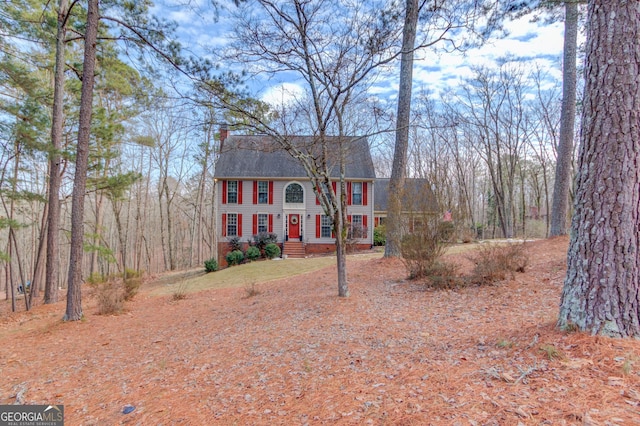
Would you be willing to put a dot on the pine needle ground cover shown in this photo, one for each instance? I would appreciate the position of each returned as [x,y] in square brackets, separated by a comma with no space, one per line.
[294,353]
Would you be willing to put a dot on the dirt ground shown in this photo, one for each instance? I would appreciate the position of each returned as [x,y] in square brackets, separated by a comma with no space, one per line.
[393,353]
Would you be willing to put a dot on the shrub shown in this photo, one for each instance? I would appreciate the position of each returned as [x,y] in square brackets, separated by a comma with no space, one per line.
[235,244]
[495,262]
[109,296]
[446,230]
[444,276]
[263,238]
[132,280]
[421,249]
[251,290]
[379,235]
[180,293]
[466,235]
[271,250]
[211,265]
[234,257]
[252,253]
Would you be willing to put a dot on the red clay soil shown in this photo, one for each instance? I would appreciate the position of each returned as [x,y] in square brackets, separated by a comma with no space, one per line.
[392,353]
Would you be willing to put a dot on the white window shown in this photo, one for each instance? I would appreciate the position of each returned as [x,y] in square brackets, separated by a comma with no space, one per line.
[232,192]
[263,222]
[357,229]
[356,193]
[294,194]
[232,224]
[263,192]
[325,226]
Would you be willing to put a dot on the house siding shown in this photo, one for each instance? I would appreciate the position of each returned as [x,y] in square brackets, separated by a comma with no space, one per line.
[309,211]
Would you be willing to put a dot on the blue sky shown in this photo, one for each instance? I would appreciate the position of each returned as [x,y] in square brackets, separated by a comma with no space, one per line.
[529,42]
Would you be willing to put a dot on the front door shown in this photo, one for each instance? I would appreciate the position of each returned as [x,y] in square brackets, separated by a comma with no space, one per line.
[294,226]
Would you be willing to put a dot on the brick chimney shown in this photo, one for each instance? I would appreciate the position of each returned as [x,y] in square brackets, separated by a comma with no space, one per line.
[224,134]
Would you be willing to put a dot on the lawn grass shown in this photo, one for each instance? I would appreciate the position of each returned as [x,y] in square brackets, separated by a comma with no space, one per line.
[263,271]
[252,273]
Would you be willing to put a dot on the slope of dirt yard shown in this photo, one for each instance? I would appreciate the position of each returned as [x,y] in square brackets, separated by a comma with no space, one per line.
[392,353]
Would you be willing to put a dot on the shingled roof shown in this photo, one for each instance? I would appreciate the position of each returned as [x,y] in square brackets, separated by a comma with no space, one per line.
[250,156]
[417,193]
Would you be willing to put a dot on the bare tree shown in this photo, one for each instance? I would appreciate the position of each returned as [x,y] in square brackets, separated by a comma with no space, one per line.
[600,293]
[169,130]
[493,107]
[544,138]
[335,48]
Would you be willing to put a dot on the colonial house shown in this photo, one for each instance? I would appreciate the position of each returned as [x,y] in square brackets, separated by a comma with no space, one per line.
[261,188]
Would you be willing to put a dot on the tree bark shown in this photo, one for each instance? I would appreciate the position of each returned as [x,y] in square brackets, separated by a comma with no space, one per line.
[74,282]
[600,293]
[399,168]
[560,205]
[53,217]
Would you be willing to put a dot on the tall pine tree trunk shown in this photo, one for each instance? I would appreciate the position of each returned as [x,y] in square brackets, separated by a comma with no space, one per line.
[53,216]
[399,168]
[601,290]
[74,282]
[560,206]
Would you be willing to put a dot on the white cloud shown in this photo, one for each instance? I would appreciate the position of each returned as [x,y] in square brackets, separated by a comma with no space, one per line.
[530,42]
[282,94]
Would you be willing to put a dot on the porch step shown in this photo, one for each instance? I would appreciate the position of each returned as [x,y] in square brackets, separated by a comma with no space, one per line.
[294,249]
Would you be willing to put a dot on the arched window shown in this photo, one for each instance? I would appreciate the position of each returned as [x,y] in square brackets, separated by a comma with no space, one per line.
[294,194]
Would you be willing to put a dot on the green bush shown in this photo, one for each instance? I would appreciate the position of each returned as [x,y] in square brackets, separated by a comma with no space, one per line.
[211,265]
[252,253]
[234,257]
[379,235]
[271,250]
[263,238]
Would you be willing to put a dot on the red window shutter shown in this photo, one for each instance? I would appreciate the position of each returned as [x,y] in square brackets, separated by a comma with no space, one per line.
[364,220]
[349,194]
[376,221]
[239,225]
[255,192]
[364,193]
[239,192]
[317,226]
[224,192]
[349,218]
[270,193]
[224,224]
[255,224]
[318,196]
[270,229]
[335,187]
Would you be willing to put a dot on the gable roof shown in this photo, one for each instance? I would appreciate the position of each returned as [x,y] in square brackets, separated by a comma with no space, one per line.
[417,193]
[250,156]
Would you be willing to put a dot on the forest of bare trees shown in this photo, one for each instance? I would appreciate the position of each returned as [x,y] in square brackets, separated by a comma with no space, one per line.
[489,148]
